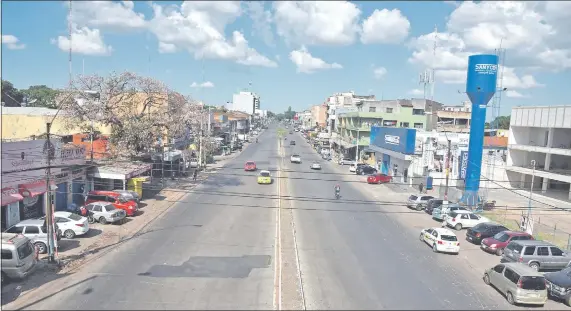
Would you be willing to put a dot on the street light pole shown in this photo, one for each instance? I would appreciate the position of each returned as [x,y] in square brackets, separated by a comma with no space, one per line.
[531,189]
[447,170]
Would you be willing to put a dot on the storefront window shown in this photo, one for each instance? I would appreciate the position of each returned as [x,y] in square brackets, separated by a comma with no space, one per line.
[32,207]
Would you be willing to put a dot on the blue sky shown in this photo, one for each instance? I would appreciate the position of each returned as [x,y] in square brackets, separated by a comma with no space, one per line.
[296,54]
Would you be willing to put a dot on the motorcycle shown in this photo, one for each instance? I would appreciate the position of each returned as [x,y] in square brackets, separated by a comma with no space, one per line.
[337,195]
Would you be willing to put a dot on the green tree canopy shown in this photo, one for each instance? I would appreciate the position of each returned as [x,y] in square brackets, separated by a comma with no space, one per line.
[11,96]
[41,96]
[500,123]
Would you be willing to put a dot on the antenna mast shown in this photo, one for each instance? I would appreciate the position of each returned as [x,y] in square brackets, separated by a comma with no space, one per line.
[70,48]
[432,82]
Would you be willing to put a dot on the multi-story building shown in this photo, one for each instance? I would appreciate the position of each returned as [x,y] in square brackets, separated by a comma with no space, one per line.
[319,115]
[539,145]
[247,102]
[455,118]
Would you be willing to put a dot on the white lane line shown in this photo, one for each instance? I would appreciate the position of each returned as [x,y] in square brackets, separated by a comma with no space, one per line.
[278,252]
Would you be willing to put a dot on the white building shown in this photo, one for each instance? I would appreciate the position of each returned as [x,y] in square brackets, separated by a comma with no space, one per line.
[247,102]
[541,136]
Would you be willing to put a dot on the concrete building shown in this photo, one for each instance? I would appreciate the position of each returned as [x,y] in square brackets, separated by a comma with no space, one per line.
[319,115]
[455,118]
[540,136]
[246,102]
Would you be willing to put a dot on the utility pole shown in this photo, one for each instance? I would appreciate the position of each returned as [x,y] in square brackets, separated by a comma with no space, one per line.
[357,150]
[447,170]
[530,194]
[91,141]
[49,206]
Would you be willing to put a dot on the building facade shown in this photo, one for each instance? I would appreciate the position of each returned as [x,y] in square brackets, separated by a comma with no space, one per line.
[319,115]
[246,102]
[539,145]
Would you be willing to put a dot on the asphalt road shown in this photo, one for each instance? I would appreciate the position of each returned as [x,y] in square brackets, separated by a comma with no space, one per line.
[214,250]
[354,256]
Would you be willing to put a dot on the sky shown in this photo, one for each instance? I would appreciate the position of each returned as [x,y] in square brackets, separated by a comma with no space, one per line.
[294,53]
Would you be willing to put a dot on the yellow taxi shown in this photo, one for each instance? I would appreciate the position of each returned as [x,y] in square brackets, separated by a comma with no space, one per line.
[264,177]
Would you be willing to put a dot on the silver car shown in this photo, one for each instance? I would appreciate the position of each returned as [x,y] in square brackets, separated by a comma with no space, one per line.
[104,212]
[418,202]
[18,257]
[315,166]
[36,231]
[129,195]
[519,283]
[539,255]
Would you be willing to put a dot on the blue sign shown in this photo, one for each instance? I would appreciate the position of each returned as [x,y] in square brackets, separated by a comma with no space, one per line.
[396,139]
[463,164]
[480,87]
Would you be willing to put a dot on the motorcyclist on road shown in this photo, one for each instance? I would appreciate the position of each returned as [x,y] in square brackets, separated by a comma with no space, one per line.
[337,189]
[256,140]
[194,174]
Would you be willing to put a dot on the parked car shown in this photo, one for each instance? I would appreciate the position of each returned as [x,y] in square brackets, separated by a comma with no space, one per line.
[365,170]
[441,212]
[346,161]
[105,212]
[483,230]
[378,179]
[120,202]
[70,224]
[539,255]
[432,204]
[441,240]
[464,219]
[520,284]
[559,285]
[18,257]
[194,161]
[498,242]
[36,231]
[418,201]
[250,166]
[295,158]
[129,194]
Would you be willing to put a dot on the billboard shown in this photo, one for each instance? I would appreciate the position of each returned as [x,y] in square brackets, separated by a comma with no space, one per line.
[33,154]
[480,88]
[462,165]
[396,139]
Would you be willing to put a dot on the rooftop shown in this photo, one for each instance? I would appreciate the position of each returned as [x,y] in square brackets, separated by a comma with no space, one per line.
[30,111]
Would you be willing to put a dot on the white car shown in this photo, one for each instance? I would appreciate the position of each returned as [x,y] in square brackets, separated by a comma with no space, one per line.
[295,158]
[70,224]
[441,240]
[352,168]
[315,166]
[194,163]
[464,219]
[346,161]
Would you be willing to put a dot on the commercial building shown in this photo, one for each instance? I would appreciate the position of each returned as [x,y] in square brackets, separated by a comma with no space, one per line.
[319,115]
[246,102]
[539,145]
[455,119]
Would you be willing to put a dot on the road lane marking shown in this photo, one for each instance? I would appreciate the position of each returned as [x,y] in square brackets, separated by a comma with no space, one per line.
[278,252]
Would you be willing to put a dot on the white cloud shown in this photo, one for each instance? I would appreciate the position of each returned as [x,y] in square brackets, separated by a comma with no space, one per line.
[12,42]
[380,72]
[384,26]
[84,41]
[107,14]
[416,92]
[206,84]
[261,21]
[512,81]
[306,63]
[317,22]
[166,48]
[515,94]
[199,28]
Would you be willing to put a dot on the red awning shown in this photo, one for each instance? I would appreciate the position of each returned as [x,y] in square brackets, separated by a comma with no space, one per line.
[35,188]
[10,195]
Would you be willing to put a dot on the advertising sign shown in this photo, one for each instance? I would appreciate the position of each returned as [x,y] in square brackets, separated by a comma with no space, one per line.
[480,88]
[395,139]
[463,164]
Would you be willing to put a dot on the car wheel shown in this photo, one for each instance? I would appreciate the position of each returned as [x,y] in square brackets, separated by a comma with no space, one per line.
[510,298]
[4,278]
[434,249]
[487,279]
[568,301]
[90,219]
[420,237]
[499,251]
[534,266]
[419,207]
[102,220]
[69,234]
[458,227]
[41,247]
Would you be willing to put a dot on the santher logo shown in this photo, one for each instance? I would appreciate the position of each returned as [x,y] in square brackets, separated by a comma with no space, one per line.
[391,139]
[486,68]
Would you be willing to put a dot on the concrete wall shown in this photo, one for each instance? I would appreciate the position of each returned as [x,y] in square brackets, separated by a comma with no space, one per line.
[17,126]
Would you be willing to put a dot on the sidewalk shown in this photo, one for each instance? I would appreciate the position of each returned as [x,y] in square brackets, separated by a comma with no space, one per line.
[102,239]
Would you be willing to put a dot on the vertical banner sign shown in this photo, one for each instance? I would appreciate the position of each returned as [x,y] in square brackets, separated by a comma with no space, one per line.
[480,87]
[463,164]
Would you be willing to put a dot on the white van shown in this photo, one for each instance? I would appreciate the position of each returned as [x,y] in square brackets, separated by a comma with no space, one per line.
[18,257]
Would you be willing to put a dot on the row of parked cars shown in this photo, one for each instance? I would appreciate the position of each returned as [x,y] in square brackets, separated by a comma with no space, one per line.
[23,241]
[520,274]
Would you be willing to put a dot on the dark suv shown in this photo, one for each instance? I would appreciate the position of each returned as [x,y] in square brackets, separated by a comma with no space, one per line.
[432,204]
[365,170]
[483,230]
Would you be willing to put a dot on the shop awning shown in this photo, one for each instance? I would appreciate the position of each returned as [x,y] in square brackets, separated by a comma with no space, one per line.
[35,188]
[122,171]
[10,195]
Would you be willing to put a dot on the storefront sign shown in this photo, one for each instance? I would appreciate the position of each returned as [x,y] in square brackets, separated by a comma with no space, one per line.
[71,156]
[401,140]
[463,164]
[10,195]
[34,154]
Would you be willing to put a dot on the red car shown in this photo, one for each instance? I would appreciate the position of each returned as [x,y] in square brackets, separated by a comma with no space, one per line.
[378,179]
[250,166]
[498,242]
[129,206]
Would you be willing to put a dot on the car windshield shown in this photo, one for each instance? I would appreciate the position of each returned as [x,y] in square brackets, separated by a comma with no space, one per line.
[249,163]
[533,282]
[448,237]
[295,155]
[501,237]
[73,216]
[265,174]
[480,227]
[25,250]
[412,197]
[110,207]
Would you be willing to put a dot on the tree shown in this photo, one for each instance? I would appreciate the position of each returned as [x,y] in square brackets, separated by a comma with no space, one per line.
[11,96]
[289,114]
[271,114]
[41,96]
[500,123]
[142,112]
